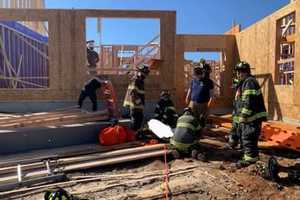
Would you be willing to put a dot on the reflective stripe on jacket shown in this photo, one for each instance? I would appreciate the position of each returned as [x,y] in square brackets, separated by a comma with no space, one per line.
[249,103]
[187,129]
[135,95]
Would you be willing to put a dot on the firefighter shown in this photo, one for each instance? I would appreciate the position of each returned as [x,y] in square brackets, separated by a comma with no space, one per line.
[59,194]
[200,93]
[186,136]
[250,112]
[135,96]
[89,90]
[165,110]
[234,137]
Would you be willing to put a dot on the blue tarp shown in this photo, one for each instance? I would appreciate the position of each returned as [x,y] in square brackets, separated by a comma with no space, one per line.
[25,30]
[34,62]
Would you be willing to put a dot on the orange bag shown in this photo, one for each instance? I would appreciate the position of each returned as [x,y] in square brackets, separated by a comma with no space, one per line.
[115,135]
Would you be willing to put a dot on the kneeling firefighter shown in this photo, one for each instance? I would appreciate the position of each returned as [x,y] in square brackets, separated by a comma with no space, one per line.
[187,134]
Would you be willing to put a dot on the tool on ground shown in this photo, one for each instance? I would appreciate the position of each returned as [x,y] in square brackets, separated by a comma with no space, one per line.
[273,168]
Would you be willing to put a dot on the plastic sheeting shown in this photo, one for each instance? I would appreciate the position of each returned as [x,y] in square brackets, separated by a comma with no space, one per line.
[23,57]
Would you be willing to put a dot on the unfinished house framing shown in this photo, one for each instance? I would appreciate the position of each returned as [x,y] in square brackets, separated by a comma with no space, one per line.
[43,67]
[66,47]
[271,46]
[114,59]
[37,4]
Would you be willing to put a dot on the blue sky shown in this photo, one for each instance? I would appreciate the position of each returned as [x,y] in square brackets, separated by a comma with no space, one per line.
[193,16]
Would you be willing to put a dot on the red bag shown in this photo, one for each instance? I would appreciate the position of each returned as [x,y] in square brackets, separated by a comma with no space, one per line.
[115,135]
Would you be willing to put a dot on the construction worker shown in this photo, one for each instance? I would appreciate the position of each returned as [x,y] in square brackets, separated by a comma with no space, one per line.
[89,90]
[186,136]
[250,111]
[135,96]
[92,55]
[200,93]
[165,110]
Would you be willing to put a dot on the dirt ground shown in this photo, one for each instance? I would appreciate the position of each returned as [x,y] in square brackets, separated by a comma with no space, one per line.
[189,179]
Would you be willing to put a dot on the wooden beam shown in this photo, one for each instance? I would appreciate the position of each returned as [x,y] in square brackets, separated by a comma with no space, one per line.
[57,153]
[283,61]
[104,152]
[46,179]
[133,154]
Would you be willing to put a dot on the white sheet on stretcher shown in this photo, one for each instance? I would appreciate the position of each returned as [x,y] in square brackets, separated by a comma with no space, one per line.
[160,129]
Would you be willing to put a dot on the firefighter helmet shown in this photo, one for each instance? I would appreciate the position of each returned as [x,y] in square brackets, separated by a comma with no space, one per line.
[144,68]
[187,109]
[59,194]
[242,66]
[165,93]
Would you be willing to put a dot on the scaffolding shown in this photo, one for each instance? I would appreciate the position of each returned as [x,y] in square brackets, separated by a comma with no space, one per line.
[119,59]
[22,3]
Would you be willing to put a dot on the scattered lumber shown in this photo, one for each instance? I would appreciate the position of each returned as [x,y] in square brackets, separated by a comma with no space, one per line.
[62,152]
[37,171]
[52,118]
[124,177]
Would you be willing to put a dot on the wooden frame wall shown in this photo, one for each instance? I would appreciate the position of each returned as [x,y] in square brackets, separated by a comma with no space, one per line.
[257,45]
[67,52]
[206,43]
[22,3]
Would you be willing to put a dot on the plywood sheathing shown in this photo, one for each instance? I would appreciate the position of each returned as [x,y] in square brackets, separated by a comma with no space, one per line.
[234,30]
[257,45]
[67,52]
[206,43]
[297,57]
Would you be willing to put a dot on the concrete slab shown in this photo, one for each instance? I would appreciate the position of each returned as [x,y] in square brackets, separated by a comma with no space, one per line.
[27,139]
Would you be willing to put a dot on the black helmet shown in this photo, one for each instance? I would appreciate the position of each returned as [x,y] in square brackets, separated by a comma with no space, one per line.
[144,69]
[165,93]
[90,43]
[242,66]
[187,109]
[57,194]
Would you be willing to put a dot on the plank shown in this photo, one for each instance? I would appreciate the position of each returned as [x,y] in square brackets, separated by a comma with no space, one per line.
[46,179]
[101,115]
[35,116]
[111,161]
[42,188]
[37,156]
[78,158]
[88,164]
